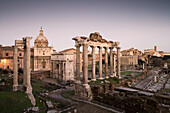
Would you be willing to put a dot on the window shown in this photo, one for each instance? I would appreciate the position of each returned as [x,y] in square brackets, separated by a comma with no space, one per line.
[20,54]
[44,63]
[43,52]
[6,54]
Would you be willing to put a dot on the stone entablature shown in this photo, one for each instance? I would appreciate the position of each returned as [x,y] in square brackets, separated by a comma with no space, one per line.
[62,66]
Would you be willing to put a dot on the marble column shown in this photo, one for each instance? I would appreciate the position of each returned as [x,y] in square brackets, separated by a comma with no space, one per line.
[29,87]
[111,62]
[15,68]
[106,63]
[93,64]
[100,63]
[78,64]
[114,65]
[25,66]
[85,64]
[118,62]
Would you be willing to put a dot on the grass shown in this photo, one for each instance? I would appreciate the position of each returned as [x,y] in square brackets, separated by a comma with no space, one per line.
[66,93]
[129,72]
[167,90]
[13,102]
[41,87]
[16,102]
[147,76]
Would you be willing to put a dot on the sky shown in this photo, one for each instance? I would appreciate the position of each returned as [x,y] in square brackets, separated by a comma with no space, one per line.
[141,24]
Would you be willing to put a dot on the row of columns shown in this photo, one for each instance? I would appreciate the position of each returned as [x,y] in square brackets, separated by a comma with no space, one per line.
[85,63]
[26,77]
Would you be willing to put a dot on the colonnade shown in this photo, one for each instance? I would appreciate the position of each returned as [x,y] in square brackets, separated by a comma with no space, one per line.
[85,62]
[26,78]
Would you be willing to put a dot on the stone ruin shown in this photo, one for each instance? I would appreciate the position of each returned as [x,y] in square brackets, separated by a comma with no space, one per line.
[95,40]
[25,43]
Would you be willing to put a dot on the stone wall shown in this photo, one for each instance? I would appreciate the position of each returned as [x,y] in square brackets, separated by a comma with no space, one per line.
[132,100]
[83,92]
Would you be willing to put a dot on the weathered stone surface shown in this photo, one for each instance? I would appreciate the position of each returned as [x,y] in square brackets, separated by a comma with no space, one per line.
[35,109]
[49,104]
[52,111]
[83,91]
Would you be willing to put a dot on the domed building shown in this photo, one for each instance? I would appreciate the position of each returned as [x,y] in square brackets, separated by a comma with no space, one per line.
[42,53]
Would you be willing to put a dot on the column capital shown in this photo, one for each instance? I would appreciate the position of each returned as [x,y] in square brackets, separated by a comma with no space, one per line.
[27,38]
[106,47]
[85,44]
[77,45]
[93,46]
[118,47]
[111,48]
[100,47]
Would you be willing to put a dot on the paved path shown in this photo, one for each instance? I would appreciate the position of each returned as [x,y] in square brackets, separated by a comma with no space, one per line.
[143,83]
[82,107]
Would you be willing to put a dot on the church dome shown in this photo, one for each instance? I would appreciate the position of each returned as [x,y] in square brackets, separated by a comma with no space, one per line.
[41,40]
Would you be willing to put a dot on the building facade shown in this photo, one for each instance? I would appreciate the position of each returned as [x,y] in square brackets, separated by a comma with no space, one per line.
[129,57]
[72,50]
[6,57]
[62,66]
[41,53]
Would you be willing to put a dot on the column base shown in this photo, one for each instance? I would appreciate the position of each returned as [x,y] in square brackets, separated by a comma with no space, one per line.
[29,90]
[112,76]
[107,77]
[101,78]
[119,77]
[86,85]
[15,88]
[93,79]
[78,82]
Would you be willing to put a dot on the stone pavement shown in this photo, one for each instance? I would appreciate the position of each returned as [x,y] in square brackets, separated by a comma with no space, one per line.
[81,106]
[160,84]
[143,84]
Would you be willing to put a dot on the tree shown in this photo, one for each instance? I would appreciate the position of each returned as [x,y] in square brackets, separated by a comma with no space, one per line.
[140,62]
[157,62]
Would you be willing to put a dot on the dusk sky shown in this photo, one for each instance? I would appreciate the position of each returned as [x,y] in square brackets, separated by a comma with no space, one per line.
[134,23]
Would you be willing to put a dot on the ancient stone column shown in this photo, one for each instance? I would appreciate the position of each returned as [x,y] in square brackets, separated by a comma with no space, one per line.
[100,63]
[25,68]
[59,72]
[78,63]
[111,62]
[93,64]
[85,64]
[28,84]
[106,63]
[118,62]
[15,68]
[114,66]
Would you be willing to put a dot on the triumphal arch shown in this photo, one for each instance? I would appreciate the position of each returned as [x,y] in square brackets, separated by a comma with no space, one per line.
[94,41]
